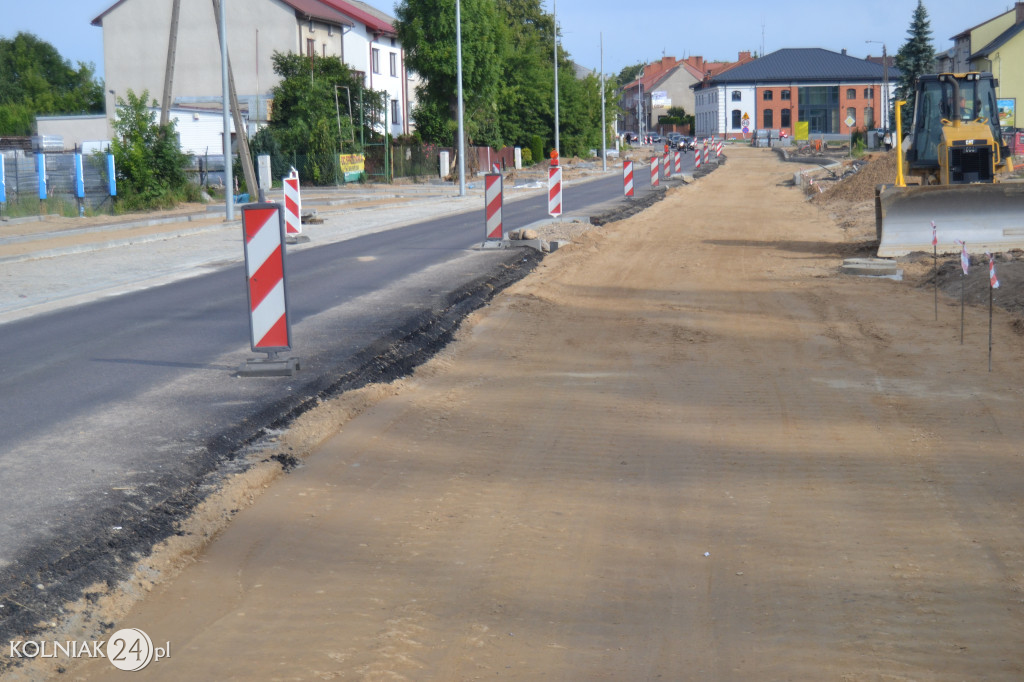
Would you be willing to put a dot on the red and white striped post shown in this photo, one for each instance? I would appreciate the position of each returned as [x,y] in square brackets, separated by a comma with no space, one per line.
[707,153]
[678,159]
[627,178]
[269,328]
[493,198]
[292,204]
[666,166]
[555,191]
[696,158]
[718,150]
[654,171]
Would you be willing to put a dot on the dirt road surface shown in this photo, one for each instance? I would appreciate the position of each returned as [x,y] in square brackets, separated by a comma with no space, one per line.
[684,449]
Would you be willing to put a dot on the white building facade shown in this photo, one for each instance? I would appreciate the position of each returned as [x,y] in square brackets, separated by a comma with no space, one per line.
[136,35]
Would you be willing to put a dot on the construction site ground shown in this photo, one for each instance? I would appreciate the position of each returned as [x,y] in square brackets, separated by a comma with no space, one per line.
[685,448]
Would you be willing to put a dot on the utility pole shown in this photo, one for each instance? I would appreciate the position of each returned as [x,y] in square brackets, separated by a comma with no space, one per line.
[172,47]
[461,133]
[554,14]
[885,84]
[604,126]
[640,108]
[229,197]
[243,140]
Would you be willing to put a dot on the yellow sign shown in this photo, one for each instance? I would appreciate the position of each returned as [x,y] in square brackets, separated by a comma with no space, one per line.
[352,166]
[802,130]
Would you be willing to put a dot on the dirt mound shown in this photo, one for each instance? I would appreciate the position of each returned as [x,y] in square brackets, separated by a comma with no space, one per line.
[860,185]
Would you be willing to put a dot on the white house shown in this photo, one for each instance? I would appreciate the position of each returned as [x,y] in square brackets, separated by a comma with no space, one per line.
[136,35]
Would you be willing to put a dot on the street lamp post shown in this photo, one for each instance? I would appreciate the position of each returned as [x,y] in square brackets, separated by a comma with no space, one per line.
[554,14]
[458,62]
[885,84]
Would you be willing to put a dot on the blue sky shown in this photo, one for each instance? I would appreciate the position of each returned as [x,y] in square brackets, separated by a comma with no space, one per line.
[643,32]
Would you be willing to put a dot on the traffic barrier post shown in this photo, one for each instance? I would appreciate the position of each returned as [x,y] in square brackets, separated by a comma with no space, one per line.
[493,198]
[292,204]
[555,191]
[627,178]
[654,172]
[263,231]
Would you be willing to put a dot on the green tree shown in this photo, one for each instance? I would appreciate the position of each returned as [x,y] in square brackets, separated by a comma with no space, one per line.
[149,161]
[628,74]
[427,29]
[677,116]
[526,93]
[308,121]
[916,57]
[36,80]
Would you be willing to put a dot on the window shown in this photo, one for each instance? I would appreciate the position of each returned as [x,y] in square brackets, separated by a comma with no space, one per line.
[737,96]
[325,49]
[784,95]
[375,60]
[869,93]
[819,107]
[869,117]
[312,29]
[394,64]
[851,116]
[769,118]
[766,95]
[736,119]
[851,93]
[396,112]
[310,47]
[784,118]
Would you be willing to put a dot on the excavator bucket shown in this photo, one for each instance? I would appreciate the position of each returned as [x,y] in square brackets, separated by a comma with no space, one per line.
[988,217]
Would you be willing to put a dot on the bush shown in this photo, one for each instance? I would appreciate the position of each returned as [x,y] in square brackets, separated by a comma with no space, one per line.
[536,148]
[527,156]
[150,163]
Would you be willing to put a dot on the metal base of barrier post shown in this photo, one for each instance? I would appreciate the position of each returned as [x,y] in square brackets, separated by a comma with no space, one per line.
[494,244]
[271,366]
[296,239]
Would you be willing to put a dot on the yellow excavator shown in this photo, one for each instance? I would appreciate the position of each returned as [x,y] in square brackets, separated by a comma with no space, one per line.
[956,173]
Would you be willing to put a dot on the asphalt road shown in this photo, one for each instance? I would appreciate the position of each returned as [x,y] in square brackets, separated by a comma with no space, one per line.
[114,407]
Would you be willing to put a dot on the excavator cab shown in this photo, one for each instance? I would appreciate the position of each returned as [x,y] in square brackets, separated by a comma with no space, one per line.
[956,138]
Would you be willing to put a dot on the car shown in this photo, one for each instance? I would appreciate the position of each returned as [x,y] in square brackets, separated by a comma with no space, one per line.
[653,138]
[629,136]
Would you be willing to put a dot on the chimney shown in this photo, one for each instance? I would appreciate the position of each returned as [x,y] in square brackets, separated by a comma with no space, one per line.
[1020,13]
[744,56]
[844,51]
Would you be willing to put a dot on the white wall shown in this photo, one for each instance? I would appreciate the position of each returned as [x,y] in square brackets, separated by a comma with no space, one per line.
[199,133]
[74,129]
[135,37]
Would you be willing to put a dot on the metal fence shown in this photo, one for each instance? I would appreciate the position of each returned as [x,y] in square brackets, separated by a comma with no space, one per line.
[22,186]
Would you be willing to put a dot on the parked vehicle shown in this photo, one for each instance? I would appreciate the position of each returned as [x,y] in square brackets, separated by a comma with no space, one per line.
[629,136]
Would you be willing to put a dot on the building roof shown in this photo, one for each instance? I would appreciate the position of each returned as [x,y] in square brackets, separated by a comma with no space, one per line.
[1000,40]
[803,64]
[373,18]
[340,12]
[654,73]
[966,33]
